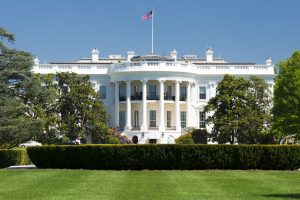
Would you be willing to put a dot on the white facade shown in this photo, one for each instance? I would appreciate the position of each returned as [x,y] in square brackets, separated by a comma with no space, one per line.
[157,98]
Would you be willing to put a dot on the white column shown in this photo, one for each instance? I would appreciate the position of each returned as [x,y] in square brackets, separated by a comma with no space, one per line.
[128,108]
[116,104]
[188,104]
[161,126]
[144,126]
[177,106]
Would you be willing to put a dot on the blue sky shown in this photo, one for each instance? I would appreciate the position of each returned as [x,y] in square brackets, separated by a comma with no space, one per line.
[237,30]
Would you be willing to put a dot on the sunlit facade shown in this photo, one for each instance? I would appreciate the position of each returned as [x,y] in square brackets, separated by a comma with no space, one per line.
[157,98]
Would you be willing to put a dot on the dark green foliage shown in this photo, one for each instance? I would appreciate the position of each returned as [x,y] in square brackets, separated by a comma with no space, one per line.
[240,112]
[197,136]
[81,109]
[13,157]
[138,157]
[16,124]
[200,136]
[286,108]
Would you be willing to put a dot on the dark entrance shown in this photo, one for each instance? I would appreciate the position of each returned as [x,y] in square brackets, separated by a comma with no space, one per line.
[135,139]
[152,141]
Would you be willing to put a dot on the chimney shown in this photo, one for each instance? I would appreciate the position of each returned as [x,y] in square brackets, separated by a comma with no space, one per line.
[36,61]
[209,55]
[269,61]
[130,54]
[95,55]
[173,54]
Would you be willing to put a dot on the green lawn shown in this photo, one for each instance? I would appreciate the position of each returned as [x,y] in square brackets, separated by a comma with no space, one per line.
[85,184]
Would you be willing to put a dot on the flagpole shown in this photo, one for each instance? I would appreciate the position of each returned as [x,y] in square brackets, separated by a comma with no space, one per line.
[152,28]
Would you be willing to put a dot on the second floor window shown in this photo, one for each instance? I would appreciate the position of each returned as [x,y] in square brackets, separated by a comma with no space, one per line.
[183,93]
[122,91]
[202,92]
[102,92]
[152,90]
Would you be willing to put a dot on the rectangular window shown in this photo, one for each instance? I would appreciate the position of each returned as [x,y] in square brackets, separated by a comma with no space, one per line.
[168,94]
[182,93]
[168,119]
[202,119]
[136,118]
[183,119]
[122,93]
[152,92]
[202,92]
[152,118]
[122,119]
[102,92]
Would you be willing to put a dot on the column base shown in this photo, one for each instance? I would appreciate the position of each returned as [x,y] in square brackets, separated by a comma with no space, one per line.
[127,128]
[161,128]
[178,128]
[144,128]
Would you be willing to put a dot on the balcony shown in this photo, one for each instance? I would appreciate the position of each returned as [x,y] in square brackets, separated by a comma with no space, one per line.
[152,97]
[122,98]
[182,98]
[137,96]
[169,97]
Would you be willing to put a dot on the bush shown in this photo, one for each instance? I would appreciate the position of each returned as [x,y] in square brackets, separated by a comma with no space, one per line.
[9,157]
[197,136]
[185,139]
[181,157]
[200,136]
[113,140]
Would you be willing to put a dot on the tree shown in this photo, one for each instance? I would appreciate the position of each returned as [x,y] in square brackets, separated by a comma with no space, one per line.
[40,95]
[16,125]
[286,108]
[80,109]
[240,110]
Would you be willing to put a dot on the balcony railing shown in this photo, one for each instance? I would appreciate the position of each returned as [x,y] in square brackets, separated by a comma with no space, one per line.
[152,97]
[169,97]
[136,97]
[122,98]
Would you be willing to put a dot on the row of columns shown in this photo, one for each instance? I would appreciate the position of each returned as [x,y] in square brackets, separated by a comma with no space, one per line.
[144,126]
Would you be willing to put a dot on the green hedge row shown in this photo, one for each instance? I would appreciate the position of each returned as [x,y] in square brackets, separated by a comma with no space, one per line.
[9,157]
[138,157]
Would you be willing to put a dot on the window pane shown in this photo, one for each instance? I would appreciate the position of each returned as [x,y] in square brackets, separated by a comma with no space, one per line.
[103,92]
[152,118]
[202,92]
[152,90]
[202,118]
[183,119]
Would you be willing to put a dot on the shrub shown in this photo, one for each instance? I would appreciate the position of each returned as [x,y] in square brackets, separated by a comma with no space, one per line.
[182,157]
[199,136]
[185,139]
[9,157]
[113,140]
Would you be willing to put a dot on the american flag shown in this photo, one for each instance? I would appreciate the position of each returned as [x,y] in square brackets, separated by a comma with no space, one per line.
[147,16]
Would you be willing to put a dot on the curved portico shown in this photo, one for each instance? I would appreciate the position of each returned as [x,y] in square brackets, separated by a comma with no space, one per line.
[152,104]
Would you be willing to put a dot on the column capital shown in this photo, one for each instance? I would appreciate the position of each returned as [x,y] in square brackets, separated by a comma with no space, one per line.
[144,81]
[178,81]
[161,81]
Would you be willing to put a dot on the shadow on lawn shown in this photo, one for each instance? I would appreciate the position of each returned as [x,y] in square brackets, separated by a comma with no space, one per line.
[287,196]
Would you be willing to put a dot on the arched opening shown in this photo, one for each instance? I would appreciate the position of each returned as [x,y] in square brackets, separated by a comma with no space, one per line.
[135,139]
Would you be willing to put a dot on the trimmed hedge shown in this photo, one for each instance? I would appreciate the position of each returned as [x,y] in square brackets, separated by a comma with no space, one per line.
[183,157]
[9,157]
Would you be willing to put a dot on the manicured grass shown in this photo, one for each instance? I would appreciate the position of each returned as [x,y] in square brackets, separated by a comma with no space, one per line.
[88,184]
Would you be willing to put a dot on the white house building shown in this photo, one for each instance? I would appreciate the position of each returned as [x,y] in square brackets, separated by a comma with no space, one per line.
[157,98]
